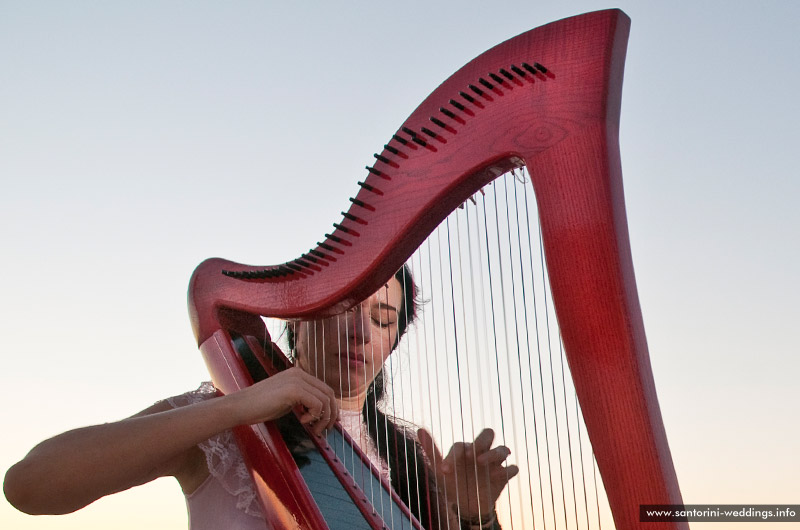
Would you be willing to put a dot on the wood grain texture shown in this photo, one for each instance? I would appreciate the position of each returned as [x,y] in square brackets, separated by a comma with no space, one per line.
[548,99]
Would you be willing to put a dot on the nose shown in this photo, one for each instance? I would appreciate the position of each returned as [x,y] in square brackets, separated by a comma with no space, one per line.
[359,328]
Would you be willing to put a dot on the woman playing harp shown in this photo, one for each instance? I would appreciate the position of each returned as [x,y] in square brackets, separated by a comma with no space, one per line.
[562,85]
[338,375]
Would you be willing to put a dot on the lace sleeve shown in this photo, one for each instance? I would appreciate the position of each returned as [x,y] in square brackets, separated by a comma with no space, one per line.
[204,392]
[224,460]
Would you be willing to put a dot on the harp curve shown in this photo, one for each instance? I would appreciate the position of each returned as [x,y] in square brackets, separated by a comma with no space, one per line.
[548,99]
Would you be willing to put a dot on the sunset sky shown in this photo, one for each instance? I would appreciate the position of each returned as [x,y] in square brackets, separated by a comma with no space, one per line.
[139,138]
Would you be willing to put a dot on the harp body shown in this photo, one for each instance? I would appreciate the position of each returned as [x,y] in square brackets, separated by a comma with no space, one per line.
[548,99]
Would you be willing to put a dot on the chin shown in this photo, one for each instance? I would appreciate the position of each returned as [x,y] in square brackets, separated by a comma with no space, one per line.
[350,390]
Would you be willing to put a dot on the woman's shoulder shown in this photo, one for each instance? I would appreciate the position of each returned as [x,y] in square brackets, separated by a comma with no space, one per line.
[204,392]
[190,467]
[221,458]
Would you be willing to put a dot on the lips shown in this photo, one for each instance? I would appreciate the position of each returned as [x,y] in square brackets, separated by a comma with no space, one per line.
[353,358]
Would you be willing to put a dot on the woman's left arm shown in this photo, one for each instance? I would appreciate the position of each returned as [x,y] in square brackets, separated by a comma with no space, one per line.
[470,478]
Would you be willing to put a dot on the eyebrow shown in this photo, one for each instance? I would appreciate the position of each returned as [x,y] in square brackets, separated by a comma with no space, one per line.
[382,305]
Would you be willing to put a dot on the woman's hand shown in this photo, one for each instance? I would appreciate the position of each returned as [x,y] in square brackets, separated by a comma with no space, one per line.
[275,396]
[472,474]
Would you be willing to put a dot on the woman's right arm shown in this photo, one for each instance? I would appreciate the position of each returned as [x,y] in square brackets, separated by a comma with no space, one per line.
[73,469]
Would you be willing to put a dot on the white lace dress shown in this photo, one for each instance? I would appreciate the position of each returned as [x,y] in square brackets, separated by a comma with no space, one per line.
[227,498]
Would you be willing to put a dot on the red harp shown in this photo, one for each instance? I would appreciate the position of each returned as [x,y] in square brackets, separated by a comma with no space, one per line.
[547,100]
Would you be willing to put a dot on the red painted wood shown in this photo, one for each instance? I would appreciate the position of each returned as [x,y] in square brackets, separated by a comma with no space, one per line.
[562,122]
[286,502]
[280,486]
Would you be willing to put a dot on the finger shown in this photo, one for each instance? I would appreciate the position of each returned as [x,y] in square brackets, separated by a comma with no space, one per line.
[325,393]
[495,456]
[317,403]
[502,475]
[484,441]
[334,413]
[430,448]
[316,407]
[326,418]
[310,408]
[460,454]
[318,384]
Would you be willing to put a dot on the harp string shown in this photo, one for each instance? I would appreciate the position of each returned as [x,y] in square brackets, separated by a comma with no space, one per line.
[471,357]
[526,334]
[524,458]
[504,331]
[460,358]
[498,364]
[428,356]
[449,496]
[383,356]
[528,223]
[409,459]
[519,332]
[596,491]
[538,337]
[580,453]
[518,312]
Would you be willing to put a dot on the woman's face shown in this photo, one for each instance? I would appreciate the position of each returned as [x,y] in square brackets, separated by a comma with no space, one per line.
[347,351]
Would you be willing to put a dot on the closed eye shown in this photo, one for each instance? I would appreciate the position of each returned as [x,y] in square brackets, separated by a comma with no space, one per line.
[383,315]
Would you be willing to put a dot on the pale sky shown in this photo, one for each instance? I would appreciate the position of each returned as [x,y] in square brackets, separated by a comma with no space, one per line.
[139,138]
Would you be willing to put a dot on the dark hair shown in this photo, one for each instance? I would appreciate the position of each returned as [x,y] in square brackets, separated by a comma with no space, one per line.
[396,441]
[406,313]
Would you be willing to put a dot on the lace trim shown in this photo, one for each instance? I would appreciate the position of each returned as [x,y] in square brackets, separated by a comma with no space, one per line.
[224,460]
[353,423]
